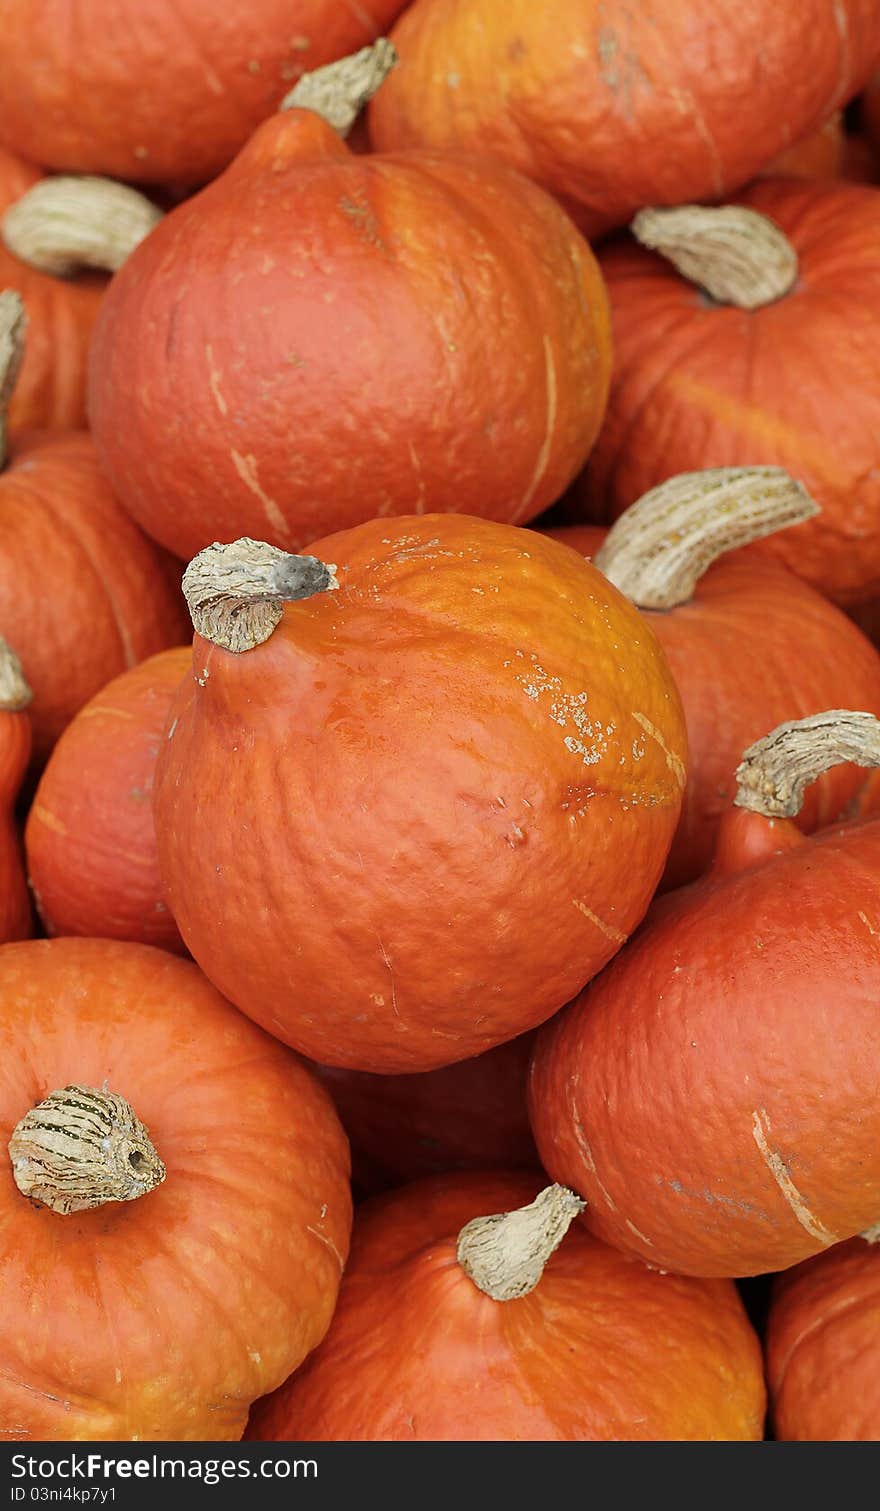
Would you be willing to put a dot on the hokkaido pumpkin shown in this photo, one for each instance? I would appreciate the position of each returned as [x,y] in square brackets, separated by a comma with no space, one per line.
[90,840]
[308,342]
[16,919]
[597,1347]
[776,366]
[748,643]
[823,1347]
[82,592]
[612,106]
[162,1145]
[164,96]
[404,821]
[712,1095]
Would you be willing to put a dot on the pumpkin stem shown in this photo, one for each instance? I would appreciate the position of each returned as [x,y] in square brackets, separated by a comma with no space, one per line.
[660,547]
[13,323]
[872,1234]
[774,772]
[737,255]
[14,691]
[67,223]
[504,1255]
[235,591]
[80,1148]
[339,91]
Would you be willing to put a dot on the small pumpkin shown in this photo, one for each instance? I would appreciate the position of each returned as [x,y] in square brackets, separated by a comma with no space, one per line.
[749,644]
[528,1340]
[16,919]
[823,1346]
[82,592]
[317,320]
[613,106]
[511,750]
[712,1096]
[160,1141]
[90,840]
[775,366]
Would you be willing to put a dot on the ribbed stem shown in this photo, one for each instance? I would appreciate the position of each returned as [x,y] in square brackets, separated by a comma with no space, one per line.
[64,224]
[13,323]
[660,547]
[505,1254]
[339,91]
[14,691]
[775,772]
[235,592]
[80,1148]
[737,255]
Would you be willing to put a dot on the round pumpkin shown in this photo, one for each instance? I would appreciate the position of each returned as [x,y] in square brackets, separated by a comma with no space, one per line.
[90,839]
[711,1096]
[162,1143]
[700,382]
[749,644]
[613,106]
[599,1348]
[404,821]
[823,1347]
[169,96]
[317,320]
[16,919]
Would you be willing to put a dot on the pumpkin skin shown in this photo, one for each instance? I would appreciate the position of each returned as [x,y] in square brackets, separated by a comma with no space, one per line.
[50,392]
[823,1343]
[486,860]
[712,1096]
[646,1356]
[468,1116]
[754,647]
[90,839]
[612,106]
[16,918]
[170,99]
[82,591]
[360,383]
[819,155]
[238,1255]
[717,386]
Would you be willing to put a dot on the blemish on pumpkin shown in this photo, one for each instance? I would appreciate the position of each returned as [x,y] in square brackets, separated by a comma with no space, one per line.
[867,922]
[49,819]
[607,929]
[246,467]
[516,49]
[328,1244]
[170,734]
[214,382]
[544,453]
[587,1155]
[638,1233]
[779,1170]
[674,762]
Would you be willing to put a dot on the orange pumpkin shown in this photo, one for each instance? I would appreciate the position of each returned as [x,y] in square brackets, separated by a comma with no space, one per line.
[90,840]
[601,1348]
[510,750]
[16,919]
[820,155]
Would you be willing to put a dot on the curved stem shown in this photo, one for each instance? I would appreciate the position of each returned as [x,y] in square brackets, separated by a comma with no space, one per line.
[67,223]
[775,772]
[737,255]
[80,1148]
[505,1255]
[339,91]
[235,592]
[14,691]
[660,547]
[13,323]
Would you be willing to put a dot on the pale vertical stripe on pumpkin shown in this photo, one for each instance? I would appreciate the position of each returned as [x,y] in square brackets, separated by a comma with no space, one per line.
[70,222]
[738,256]
[505,1254]
[774,772]
[13,323]
[80,1148]
[658,550]
[235,592]
[14,691]
[339,91]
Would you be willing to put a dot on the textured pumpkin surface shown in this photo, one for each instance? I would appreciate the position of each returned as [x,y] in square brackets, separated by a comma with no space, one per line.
[318,321]
[469,1116]
[16,919]
[794,384]
[613,106]
[420,816]
[753,647]
[819,155]
[823,1347]
[91,843]
[50,391]
[162,1317]
[83,594]
[602,1349]
[161,93]
[712,1096]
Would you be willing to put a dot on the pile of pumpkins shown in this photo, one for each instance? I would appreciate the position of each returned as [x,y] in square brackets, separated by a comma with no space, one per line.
[439,705]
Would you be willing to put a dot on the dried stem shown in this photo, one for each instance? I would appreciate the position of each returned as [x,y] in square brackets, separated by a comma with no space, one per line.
[339,91]
[64,224]
[505,1255]
[14,691]
[737,255]
[235,592]
[775,772]
[80,1148]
